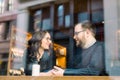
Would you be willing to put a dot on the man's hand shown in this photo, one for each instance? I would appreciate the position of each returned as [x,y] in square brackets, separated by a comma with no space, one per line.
[57,71]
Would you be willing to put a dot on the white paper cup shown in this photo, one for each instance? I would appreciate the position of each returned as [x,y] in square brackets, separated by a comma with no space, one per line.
[35,70]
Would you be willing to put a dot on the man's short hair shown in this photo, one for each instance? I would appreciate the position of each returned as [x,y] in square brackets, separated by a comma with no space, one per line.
[89,25]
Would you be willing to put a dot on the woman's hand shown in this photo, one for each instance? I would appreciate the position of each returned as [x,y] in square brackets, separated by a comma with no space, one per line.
[49,73]
[57,71]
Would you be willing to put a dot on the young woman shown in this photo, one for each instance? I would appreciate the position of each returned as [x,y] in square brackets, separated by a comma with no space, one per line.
[40,45]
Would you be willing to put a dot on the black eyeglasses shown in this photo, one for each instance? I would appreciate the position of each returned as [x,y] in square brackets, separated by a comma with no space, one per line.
[76,33]
[47,38]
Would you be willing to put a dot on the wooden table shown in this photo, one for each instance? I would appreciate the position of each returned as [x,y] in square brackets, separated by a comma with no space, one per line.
[60,78]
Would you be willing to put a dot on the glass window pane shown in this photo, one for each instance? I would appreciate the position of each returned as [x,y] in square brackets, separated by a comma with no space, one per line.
[11,6]
[60,21]
[60,10]
[46,24]
[82,16]
[2,31]
[60,15]
[37,20]
[97,16]
[67,20]
[1,6]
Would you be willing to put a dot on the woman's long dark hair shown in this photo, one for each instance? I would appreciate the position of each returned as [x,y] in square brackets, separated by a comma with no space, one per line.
[35,43]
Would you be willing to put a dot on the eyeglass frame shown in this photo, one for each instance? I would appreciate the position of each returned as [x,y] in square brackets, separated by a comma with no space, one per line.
[48,39]
[76,33]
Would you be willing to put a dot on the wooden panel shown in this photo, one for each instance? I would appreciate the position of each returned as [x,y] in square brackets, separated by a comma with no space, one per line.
[60,78]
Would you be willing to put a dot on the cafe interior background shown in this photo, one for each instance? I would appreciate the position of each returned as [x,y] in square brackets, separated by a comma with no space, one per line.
[20,18]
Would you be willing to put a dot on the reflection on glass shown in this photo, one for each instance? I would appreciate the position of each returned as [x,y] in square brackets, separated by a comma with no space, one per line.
[18,47]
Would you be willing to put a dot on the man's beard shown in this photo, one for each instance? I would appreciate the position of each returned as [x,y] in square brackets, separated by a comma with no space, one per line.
[80,44]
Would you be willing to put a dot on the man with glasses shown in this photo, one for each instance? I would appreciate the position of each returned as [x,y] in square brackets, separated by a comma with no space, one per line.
[92,53]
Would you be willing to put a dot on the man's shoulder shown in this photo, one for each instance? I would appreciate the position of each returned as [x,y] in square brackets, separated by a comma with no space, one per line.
[99,42]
